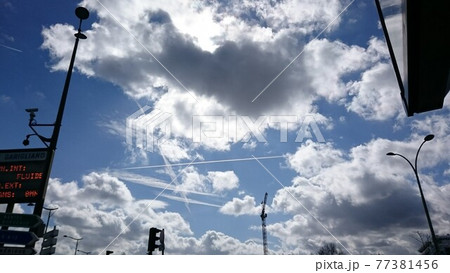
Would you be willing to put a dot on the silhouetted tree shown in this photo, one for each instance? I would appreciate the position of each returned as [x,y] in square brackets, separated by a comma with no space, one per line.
[426,244]
[423,239]
[330,249]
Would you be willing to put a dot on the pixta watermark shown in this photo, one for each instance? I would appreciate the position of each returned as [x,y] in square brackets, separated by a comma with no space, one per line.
[146,128]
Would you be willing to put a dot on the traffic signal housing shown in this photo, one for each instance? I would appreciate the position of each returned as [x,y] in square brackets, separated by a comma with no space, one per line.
[155,241]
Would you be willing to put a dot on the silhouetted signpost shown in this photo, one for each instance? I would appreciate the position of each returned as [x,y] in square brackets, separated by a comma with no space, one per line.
[17,237]
[14,250]
[20,220]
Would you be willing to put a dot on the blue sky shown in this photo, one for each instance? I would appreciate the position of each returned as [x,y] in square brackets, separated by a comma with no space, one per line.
[294,98]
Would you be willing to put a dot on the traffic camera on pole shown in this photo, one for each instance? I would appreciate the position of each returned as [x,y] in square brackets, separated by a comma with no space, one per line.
[154,241]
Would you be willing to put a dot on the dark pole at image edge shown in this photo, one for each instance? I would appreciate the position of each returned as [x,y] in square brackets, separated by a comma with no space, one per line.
[392,56]
[82,14]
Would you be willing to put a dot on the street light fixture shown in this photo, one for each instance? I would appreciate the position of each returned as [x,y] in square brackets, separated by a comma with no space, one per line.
[48,221]
[49,215]
[84,252]
[76,239]
[424,203]
[82,14]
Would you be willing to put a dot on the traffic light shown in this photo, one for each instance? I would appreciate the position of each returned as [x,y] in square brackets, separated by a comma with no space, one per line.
[154,241]
[49,240]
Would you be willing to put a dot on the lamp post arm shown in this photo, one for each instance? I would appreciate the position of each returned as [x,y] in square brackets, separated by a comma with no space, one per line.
[417,154]
[409,162]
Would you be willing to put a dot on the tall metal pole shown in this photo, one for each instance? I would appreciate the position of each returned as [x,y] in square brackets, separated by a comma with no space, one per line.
[76,239]
[49,215]
[82,14]
[76,247]
[48,221]
[424,203]
[263,225]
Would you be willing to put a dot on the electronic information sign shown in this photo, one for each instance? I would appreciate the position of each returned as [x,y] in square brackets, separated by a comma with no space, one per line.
[24,175]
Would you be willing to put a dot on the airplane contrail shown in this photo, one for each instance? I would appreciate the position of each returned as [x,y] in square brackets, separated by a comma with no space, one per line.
[174,177]
[11,48]
[204,162]
[154,182]
[191,201]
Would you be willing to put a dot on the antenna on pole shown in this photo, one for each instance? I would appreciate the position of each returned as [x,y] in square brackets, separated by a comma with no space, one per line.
[263,219]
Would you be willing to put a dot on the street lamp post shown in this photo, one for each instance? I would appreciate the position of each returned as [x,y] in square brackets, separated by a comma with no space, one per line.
[48,221]
[82,13]
[49,215]
[424,203]
[76,239]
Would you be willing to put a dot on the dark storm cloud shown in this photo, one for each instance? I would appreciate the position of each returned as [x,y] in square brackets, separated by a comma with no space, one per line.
[145,53]
[234,74]
[401,209]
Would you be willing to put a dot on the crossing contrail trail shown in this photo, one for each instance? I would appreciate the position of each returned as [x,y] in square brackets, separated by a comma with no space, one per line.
[205,162]
[174,178]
